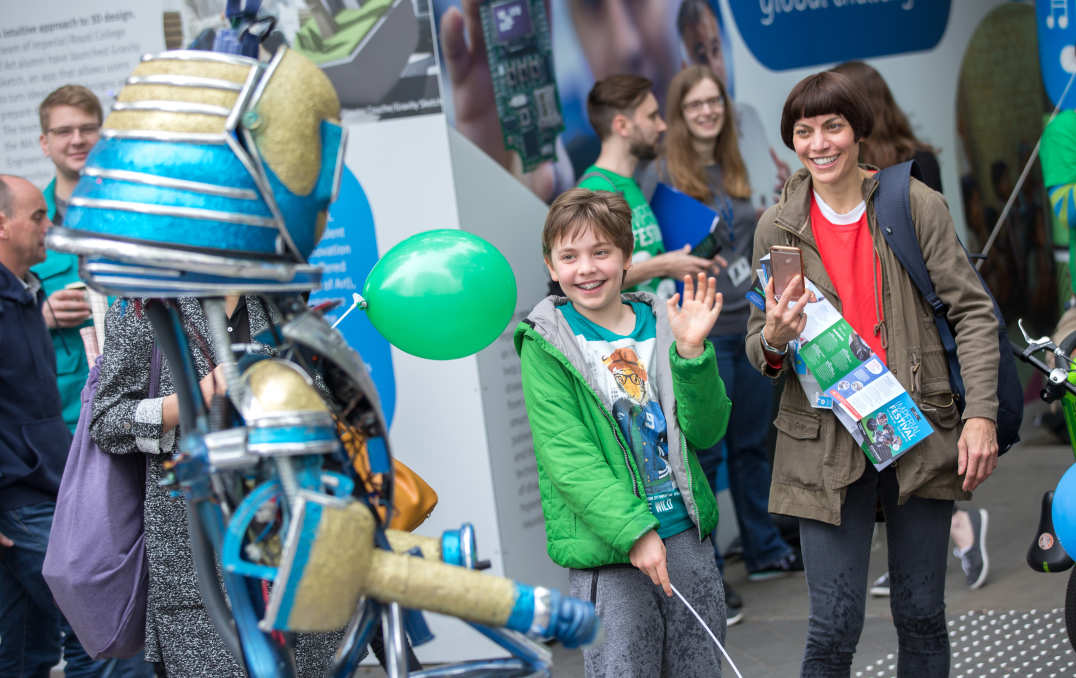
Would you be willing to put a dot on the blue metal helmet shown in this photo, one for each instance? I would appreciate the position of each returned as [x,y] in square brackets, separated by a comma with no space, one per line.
[213,175]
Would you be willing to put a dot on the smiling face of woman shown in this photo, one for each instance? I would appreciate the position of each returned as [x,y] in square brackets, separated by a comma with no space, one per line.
[827,147]
[704,110]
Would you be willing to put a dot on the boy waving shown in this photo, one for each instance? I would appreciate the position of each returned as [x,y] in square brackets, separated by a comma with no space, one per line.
[620,391]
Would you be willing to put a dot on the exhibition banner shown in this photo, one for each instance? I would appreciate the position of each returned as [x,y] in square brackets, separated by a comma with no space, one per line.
[856,29]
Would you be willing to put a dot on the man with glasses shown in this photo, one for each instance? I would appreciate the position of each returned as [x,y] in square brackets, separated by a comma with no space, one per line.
[624,114]
[71,119]
[70,125]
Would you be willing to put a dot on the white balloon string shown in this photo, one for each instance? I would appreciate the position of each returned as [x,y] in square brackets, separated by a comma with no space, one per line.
[707,629]
[358,302]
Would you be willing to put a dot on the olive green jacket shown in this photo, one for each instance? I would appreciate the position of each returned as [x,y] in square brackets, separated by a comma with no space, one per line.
[816,458]
[591,489]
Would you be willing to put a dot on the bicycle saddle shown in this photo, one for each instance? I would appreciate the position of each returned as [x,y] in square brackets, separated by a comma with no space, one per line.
[1046,553]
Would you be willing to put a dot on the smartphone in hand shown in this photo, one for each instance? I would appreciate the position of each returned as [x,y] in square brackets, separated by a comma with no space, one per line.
[785,264]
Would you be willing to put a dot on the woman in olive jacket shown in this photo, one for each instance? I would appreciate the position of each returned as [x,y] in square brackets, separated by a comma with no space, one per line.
[819,473]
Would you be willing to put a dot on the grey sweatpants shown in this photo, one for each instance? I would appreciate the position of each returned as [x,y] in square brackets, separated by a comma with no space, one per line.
[647,634]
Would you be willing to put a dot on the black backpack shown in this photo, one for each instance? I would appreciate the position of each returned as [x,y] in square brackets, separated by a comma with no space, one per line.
[892,207]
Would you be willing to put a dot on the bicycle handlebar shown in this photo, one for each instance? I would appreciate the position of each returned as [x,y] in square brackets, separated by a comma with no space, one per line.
[1057,381]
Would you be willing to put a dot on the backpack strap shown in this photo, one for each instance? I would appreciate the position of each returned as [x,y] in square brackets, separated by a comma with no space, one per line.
[893,211]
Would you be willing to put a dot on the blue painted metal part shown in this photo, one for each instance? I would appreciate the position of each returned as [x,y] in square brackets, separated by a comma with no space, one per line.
[291,434]
[450,547]
[262,658]
[301,212]
[352,649]
[209,163]
[308,534]
[524,651]
[231,548]
[104,188]
[137,280]
[178,230]
[522,617]
[573,622]
[378,454]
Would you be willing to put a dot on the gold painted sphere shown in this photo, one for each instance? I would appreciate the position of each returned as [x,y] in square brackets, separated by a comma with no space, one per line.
[280,387]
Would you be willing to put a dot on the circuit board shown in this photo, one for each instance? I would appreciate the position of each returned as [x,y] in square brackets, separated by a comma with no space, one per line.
[520,53]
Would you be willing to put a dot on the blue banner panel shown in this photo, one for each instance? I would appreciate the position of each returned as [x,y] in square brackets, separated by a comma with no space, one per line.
[1055,22]
[347,251]
[787,34]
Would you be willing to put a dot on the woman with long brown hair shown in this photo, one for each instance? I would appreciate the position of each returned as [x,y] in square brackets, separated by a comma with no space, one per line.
[891,140]
[701,158]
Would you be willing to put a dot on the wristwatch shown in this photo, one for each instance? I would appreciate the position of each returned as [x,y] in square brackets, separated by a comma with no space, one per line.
[771,349]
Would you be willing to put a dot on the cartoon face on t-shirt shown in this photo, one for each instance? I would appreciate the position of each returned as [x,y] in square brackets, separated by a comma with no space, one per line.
[629,373]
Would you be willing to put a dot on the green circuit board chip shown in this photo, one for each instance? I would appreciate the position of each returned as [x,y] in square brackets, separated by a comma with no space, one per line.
[520,52]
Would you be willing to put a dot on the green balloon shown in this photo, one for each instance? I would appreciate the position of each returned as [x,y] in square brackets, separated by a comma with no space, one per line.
[441,294]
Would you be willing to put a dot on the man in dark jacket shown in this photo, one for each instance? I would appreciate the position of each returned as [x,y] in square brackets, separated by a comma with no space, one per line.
[33,438]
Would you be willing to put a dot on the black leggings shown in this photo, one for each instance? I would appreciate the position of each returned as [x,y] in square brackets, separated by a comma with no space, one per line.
[835,559]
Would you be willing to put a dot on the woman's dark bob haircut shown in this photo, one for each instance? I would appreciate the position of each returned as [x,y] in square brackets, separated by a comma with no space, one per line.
[824,93]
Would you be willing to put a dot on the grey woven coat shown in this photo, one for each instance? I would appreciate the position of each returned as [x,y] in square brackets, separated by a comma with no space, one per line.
[179,632]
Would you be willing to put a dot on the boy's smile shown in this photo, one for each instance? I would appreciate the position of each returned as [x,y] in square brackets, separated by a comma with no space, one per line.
[590,269]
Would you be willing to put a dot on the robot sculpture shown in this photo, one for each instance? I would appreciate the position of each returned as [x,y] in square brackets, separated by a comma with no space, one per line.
[213,176]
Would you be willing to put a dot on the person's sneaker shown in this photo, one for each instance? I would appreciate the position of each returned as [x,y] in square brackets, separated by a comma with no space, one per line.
[733,605]
[974,561]
[792,562]
[880,587]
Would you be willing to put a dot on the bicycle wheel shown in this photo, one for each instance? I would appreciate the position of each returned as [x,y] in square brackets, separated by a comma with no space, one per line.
[1070,609]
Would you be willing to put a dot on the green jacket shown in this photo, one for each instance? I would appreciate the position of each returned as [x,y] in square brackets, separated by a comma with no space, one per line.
[590,486]
[59,269]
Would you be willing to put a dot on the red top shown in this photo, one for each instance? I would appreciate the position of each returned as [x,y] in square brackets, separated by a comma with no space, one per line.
[848,254]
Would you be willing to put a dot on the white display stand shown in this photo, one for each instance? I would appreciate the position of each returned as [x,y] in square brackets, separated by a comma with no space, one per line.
[462,424]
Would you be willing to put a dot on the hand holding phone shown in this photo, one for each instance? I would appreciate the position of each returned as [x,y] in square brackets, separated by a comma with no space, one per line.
[785,264]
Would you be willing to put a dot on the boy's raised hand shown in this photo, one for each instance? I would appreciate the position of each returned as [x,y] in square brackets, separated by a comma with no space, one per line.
[691,322]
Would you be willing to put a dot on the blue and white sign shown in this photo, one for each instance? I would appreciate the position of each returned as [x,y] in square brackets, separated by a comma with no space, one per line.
[347,251]
[831,31]
[1056,24]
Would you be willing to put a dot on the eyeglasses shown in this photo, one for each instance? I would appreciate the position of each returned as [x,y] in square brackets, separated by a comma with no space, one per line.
[699,104]
[91,130]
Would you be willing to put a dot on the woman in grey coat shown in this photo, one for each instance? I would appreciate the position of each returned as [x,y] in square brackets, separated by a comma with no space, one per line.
[179,633]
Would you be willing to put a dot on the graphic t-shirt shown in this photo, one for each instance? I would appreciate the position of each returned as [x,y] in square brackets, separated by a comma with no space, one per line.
[621,365]
[644,225]
[847,249]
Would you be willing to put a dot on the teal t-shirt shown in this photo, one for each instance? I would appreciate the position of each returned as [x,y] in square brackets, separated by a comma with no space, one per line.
[621,365]
[644,225]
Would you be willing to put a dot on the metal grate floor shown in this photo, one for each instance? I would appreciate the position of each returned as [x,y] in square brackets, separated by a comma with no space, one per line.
[1000,643]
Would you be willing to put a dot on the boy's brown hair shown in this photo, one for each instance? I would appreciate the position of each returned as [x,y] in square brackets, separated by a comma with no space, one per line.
[578,209]
[824,93]
[616,94]
[69,95]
